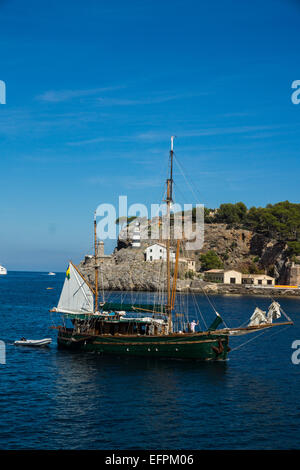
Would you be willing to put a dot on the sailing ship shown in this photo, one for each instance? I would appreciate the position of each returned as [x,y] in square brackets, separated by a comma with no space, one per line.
[3,271]
[135,329]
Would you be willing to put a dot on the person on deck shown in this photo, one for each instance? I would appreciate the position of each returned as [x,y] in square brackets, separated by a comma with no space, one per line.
[193,325]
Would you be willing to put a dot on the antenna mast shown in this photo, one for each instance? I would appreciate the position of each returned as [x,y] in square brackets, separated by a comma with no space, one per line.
[96,264]
[169,201]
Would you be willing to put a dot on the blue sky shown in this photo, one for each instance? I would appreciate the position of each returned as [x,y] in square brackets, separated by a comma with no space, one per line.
[95,90]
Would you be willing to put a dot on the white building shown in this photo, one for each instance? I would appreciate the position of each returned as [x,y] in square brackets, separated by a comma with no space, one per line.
[258,280]
[235,277]
[224,277]
[157,252]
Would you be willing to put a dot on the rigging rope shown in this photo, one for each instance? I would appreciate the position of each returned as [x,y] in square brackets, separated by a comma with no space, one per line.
[252,339]
[263,332]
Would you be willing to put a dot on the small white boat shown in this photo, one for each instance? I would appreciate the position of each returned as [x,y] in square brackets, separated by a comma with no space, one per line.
[33,342]
[3,271]
[51,274]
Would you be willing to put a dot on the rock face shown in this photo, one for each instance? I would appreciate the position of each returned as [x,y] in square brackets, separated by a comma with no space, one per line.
[239,249]
[233,246]
[273,256]
[244,250]
[126,270]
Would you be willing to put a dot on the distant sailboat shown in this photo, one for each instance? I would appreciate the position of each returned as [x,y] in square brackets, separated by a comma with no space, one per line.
[3,271]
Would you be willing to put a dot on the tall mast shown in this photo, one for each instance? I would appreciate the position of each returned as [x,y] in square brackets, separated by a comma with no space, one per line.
[169,200]
[96,264]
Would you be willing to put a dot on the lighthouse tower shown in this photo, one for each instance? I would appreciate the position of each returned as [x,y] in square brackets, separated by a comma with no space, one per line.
[101,248]
[136,237]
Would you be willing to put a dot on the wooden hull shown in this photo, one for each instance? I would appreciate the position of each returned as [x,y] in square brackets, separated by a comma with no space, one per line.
[201,346]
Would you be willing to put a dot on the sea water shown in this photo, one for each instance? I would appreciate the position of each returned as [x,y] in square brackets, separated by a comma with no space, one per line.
[58,399]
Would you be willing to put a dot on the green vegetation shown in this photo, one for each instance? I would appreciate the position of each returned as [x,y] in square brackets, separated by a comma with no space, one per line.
[232,214]
[280,221]
[251,268]
[189,274]
[210,260]
[294,247]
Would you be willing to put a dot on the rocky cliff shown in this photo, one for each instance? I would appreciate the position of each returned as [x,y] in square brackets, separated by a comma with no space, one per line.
[247,251]
[126,268]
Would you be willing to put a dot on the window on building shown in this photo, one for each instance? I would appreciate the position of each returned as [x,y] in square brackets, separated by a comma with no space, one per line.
[269,282]
[150,258]
[232,280]
[259,281]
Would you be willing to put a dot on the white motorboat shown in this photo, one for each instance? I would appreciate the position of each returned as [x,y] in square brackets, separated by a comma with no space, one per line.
[33,342]
[51,274]
[3,270]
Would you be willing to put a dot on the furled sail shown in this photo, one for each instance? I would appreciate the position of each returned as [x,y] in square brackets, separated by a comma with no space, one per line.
[273,312]
[132,307]
[76,295]
[258,317]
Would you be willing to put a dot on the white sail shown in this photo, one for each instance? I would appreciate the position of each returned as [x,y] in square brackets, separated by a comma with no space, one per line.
[76,296]
[273,312]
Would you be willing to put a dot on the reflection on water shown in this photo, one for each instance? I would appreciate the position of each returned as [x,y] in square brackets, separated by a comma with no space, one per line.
[56,399]
[129,393]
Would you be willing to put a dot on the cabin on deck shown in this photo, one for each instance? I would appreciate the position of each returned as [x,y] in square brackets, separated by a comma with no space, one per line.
[112,323]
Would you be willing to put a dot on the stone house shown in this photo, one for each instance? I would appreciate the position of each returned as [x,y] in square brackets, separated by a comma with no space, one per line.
[189,263]
[223,276]
[235,277]
[258,280]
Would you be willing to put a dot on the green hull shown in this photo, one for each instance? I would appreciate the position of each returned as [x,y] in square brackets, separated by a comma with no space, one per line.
[201,346]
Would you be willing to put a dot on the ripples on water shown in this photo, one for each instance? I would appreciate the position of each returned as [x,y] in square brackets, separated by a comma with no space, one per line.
[52,399]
